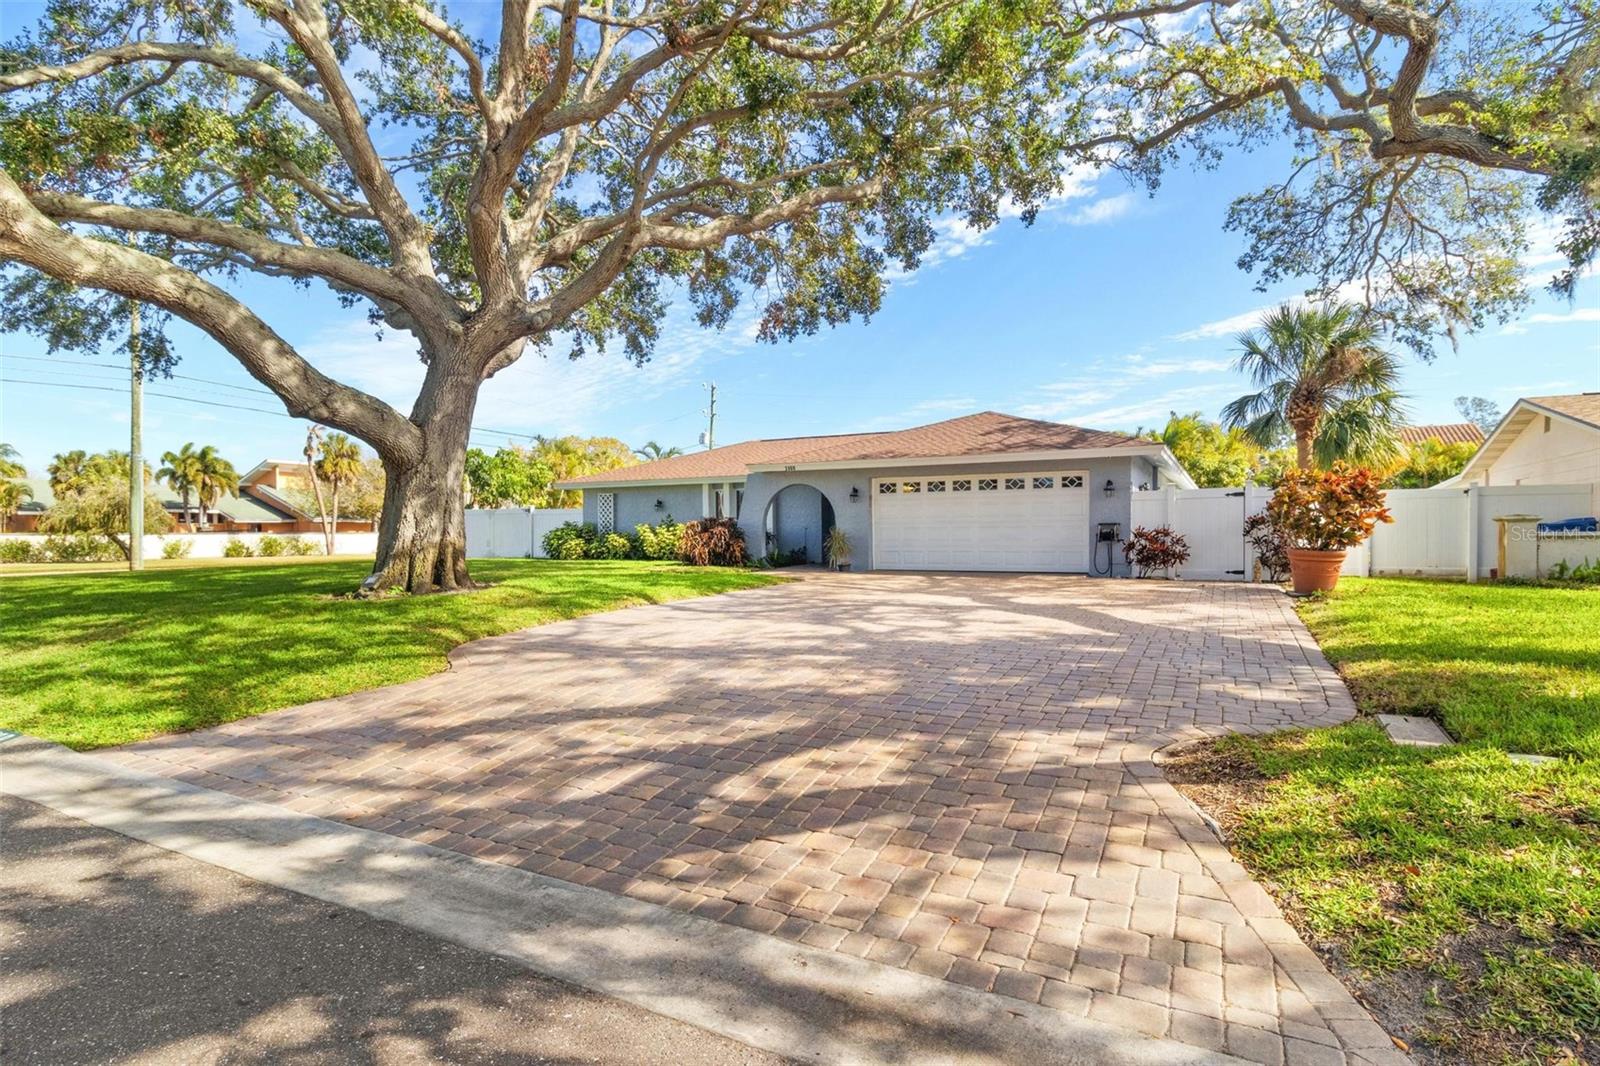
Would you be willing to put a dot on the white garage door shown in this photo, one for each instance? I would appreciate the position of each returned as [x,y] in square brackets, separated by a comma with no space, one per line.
[982,522]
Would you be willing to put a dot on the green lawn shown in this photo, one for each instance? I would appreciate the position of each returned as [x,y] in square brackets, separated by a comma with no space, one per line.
[1475,876]
[93,659]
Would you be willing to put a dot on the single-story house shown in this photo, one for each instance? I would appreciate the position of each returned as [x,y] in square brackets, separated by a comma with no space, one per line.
[261,505]
[1446,433]
[982,492]
[1542,440]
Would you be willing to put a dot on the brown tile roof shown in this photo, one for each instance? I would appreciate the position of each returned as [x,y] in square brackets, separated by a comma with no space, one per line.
[1449,433]
[1584,406]
[986,433]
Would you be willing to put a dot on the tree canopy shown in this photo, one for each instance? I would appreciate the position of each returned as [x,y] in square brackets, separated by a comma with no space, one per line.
[550,181]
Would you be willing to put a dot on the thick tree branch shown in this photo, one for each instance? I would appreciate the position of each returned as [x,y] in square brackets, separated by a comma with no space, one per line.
[29,237]
[307,23]
[292,259]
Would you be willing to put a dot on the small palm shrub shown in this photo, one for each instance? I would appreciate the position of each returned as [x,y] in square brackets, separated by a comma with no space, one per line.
[177,548]
[1149,550]
[236,549]
[270,546]
[1584,573]
[16,551]
[713,542]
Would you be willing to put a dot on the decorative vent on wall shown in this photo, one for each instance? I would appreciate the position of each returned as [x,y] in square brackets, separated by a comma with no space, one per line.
[605,512]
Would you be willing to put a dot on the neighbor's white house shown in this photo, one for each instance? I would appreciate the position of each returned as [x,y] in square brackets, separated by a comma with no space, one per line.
[1542,440]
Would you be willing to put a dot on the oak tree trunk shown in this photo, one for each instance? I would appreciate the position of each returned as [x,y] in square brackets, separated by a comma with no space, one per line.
[422,538]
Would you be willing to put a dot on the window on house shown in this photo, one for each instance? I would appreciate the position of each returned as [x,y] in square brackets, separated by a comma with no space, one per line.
[961,484]
[1014,483]
[911,486]
[987,484]
[1044,482]
[887,488]
[935,486]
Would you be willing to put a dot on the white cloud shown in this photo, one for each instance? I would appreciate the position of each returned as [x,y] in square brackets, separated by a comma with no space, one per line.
[1104,210]
[1223,327]
[1118,391]
[1545,318]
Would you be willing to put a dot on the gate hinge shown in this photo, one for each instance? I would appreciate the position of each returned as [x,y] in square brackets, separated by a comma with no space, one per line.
[1236,493]
[1239,572]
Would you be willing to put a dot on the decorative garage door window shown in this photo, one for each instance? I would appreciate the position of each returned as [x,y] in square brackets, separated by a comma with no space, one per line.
[998,483]
[605,512]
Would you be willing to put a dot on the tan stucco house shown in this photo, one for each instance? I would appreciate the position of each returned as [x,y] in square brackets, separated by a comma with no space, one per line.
[1542,440]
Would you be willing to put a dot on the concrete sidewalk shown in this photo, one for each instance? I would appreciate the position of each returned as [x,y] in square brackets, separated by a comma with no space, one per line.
[800,1002]
[114,950]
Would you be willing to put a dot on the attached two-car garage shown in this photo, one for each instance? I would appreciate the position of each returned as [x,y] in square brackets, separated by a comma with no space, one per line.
[982,521]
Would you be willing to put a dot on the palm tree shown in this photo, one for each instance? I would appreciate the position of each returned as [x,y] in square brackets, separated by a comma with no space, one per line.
[1325,381]
[653,451]
[182,472]
[12,493]
[340,464]
[9,467]
[216,476]
[68,472]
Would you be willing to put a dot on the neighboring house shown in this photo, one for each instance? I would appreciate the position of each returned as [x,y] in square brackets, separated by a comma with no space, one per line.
[983,492]
[1449,433]
[1542,440]
[278,483]
[260,507]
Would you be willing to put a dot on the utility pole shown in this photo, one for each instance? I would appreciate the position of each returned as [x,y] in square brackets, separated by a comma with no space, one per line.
[711,416]
[135,443]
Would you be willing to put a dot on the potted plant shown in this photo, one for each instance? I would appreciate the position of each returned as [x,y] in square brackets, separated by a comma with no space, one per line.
[1321,515]
[837,548]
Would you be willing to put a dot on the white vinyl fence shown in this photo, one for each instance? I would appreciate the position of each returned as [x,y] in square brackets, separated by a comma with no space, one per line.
[211,545]
[1439,532]
[513,532]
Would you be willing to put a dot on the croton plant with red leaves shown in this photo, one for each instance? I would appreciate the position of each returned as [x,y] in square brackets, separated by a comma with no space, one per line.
[1328,510]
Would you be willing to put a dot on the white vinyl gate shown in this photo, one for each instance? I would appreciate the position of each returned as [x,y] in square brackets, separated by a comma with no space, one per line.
[1435,532]
[513,532]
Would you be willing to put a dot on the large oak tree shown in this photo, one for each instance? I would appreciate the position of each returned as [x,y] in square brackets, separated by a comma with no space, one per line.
[553,179]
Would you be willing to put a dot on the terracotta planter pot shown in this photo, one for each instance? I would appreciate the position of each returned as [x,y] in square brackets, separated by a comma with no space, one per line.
[1315,571]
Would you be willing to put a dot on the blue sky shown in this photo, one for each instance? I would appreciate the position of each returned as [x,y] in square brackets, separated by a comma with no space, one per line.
[1112,310]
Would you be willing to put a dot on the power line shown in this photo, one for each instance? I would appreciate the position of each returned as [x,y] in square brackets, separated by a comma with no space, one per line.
[478,430]
[113,366]
[163,395]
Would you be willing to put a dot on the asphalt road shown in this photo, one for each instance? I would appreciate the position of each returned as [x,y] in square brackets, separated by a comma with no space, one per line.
[115,951]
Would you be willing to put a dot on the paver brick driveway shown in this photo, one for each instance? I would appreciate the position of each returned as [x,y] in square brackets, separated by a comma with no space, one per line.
[946,773]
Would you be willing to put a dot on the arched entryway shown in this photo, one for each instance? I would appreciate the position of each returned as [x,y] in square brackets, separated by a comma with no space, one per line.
[798,520]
